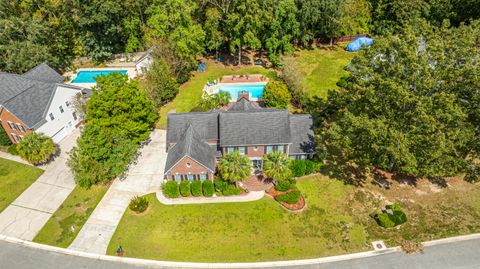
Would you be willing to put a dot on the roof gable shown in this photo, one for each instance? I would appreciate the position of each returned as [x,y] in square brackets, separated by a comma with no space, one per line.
[204,123]
[192,146]
[43,72]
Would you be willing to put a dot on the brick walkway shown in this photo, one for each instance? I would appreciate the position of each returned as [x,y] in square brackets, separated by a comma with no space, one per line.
[256,183]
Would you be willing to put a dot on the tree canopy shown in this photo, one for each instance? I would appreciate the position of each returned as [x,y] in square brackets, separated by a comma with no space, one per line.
[410,104]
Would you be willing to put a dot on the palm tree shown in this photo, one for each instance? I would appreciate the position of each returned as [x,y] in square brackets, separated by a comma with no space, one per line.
[234,167]
[276,165]
[36,148]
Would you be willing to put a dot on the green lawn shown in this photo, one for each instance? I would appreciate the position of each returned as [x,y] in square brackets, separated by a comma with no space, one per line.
[14,179]
[190,93]
[234,232]
[74,212]
[321,68]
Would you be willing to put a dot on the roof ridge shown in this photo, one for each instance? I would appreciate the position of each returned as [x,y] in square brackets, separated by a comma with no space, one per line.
[27,78]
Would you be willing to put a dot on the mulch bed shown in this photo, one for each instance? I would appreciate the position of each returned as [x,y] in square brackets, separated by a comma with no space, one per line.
[300,205]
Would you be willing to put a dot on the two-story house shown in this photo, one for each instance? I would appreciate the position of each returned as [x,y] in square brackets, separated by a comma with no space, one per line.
[196,141]
[37,101]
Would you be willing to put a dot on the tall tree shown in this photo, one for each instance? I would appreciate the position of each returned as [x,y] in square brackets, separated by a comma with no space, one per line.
[276,165]
[410,104]
[319,18]
[234,167]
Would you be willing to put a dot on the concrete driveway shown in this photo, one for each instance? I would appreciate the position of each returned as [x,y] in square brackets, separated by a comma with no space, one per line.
[144,177]
[26,216]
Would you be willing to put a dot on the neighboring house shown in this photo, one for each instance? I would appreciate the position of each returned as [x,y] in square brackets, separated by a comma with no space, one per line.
[37,101]
[142,65]
[196,141]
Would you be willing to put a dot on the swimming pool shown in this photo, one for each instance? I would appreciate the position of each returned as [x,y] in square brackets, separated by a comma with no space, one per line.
[255,90]
[88,76]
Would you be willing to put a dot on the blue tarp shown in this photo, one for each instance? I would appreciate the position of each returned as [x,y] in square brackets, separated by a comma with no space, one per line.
[359,42]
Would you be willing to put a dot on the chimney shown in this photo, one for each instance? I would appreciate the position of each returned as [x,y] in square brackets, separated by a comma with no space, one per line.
[243,94]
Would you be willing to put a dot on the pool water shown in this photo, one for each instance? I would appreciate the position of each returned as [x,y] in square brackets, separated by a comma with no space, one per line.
[88,76]
[255,90]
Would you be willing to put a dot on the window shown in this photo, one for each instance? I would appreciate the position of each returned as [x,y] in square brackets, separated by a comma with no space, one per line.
[177,178]
[67,103]
[268,149]
[15,138]
[12,126]
[51,116]
[20,127]
[189,164]
[74,115]
[190,177]
[61,109]
[242,150]
[230,149]
[203,177]
[281,148]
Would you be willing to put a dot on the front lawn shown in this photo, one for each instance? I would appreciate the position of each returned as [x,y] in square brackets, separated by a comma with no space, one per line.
[235,232]
[321,68]
[336,221]
[190,92]
[14,179]
[64,225]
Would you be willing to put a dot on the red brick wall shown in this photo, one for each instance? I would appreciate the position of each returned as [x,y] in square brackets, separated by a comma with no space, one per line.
[252,153]
[183,169]
[5,117]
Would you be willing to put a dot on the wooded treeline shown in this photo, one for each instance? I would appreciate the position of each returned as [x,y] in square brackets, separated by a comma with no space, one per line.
[57,31]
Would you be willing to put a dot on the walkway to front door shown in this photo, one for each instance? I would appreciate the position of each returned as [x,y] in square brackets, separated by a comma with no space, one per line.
[257,182]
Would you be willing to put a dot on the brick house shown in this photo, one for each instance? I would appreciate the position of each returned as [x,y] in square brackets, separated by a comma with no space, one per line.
[37,100]
[196,141]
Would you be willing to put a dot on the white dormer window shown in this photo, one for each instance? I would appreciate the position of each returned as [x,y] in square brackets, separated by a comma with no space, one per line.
[61,109]
[67,103]
[51,116]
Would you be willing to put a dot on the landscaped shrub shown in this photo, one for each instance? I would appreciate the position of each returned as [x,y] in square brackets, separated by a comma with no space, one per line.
[36,148]
[208,188]
[309,167]
[289,197]
[298,168]
[185,188]
[391,219]
[170,189]
[4,139]
[196,188]
[13,149]
[276,94]
[282,185]
[221,185]
[138,204]
[231,190]
[318,165]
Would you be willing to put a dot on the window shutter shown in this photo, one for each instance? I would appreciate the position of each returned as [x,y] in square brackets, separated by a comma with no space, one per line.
[246,150]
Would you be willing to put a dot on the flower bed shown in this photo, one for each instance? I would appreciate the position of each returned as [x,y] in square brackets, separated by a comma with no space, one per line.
[292,207]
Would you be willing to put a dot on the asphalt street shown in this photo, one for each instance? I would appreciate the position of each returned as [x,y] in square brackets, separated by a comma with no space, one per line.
[457,255]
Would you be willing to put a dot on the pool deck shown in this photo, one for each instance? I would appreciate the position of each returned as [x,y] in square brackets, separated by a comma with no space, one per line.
[236,80]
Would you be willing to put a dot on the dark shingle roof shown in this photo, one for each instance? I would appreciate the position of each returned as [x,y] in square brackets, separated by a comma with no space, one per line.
[301,134]
[27,99]
[192,146]
[255,127]
[243,105]
[43,72]
[204,123]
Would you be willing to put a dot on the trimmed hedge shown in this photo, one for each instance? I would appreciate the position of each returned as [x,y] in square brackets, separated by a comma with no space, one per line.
[289,197]
[298,168]
[185,188]
[196,188]
[282,185]
[170,189]
[138,204]
[309,167]
[208,188]
[231,190]
[391,220]
[13,149]
[4,139]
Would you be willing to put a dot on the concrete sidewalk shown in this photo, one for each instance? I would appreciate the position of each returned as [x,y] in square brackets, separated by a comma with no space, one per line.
[251,196]
[27,215]
[145,177]
[14,158]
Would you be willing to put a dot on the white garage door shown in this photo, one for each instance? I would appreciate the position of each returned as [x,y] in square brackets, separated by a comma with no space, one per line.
[59,135]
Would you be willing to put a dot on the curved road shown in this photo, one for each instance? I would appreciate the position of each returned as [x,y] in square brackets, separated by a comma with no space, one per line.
[463,254]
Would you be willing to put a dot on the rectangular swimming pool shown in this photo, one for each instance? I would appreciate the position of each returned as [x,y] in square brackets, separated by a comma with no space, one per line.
[88,76]
[254,90]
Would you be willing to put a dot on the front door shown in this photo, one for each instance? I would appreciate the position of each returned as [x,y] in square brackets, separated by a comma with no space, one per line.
[257,164]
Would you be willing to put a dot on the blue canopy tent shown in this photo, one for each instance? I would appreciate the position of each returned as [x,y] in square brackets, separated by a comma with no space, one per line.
[358,43]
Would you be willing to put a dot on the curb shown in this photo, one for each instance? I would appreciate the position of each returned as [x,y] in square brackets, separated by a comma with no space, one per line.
[171,264]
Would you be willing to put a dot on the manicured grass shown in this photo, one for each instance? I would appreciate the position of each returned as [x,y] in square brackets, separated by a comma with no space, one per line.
[14,179]
[336,221]
[321,68]
[234,232]
[190,92]
[74,212]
